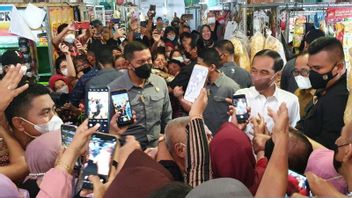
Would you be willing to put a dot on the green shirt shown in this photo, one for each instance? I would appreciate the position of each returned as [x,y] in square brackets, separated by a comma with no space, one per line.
[216,112]
[151,104]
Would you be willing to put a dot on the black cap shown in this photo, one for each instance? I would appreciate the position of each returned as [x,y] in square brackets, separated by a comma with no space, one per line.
[313,35]
[11,57]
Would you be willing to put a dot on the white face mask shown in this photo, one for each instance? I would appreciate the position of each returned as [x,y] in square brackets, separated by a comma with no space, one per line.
[63,89]
[303,82]
[70,38]
[53,125]
[179,58]
[171,38]
[211,20]
[64,71]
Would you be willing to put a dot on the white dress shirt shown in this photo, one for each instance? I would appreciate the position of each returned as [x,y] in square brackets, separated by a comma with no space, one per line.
[259,105]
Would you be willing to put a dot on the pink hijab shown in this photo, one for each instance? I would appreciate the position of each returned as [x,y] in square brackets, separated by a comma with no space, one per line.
[320,162]
[9,189]
[41,153]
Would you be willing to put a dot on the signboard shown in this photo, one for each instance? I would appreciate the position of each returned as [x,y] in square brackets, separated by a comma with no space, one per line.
[191,2]
[338,14]
[5,11]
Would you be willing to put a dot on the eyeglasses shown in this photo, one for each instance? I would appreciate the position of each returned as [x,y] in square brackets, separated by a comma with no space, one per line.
[303,72]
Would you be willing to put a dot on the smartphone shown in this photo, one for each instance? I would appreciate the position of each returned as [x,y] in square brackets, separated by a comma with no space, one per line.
[240,103]
[299,182]
[152,9]
[121,103]
[67,134]
[81,25]
[196,83]
[98,161]
[143,23]
[98,108]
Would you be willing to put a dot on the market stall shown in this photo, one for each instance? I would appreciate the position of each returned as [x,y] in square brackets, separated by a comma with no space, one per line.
[37,44]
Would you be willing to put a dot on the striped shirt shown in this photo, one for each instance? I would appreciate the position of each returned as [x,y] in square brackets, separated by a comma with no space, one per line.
[198,164]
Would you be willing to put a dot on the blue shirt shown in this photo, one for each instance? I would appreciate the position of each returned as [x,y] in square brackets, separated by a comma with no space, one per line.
[78,93]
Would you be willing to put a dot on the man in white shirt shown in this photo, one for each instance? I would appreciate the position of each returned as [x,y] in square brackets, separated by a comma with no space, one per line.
[264,94]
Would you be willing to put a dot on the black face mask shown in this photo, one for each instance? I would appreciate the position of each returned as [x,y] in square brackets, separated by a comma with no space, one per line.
[143,71]
[319,81]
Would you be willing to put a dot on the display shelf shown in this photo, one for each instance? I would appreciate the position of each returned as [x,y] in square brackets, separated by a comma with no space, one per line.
[294,5]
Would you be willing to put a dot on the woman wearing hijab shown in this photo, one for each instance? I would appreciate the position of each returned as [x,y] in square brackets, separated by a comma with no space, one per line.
[41,155]
[207,38]
[9,189]
[232,156]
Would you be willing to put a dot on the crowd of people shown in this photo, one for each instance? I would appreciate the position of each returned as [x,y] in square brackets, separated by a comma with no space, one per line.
[177,148]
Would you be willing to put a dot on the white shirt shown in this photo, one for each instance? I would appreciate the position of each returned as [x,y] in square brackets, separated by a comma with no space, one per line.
[259,105]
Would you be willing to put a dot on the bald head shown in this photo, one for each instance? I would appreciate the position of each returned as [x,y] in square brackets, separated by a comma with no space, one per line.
[175,132]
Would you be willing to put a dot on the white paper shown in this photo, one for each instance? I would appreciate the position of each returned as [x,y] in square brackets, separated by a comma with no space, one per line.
[230,29]
[34,16]
[19,27]
[196,82]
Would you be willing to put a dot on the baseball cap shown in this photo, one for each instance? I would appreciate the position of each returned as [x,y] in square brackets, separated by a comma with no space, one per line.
[11,57]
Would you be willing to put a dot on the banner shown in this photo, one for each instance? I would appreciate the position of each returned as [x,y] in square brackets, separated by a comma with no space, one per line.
[338,14]
[191,2]
[5,11]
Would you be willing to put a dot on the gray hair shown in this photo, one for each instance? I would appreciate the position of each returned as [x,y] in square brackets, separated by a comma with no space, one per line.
[177,123]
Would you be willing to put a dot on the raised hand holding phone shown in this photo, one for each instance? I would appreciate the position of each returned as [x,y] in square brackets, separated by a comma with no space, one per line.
[115,129]
[101,149]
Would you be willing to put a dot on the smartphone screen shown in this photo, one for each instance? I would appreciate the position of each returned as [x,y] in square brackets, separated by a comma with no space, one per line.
[97,108]
[121,103]
[299,183]
[101,150]
[240,103]
[67,134]
[152,7]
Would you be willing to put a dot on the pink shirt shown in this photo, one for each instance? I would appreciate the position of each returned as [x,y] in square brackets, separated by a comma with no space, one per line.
[56,183]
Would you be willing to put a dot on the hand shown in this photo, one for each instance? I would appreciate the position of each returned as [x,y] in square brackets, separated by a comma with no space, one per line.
[82,136]
[258,125]
[152,152]
[64,49]
[183,19]
[134,25]
[150,14]
[346,168]
[70,27]
[79,45]
[119,33]
[199,104]
[77,147]
[115,129]
[8,86]
[178,92]
[322,188]
[259,141]
[232,113]
[281,123]
[156,36]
